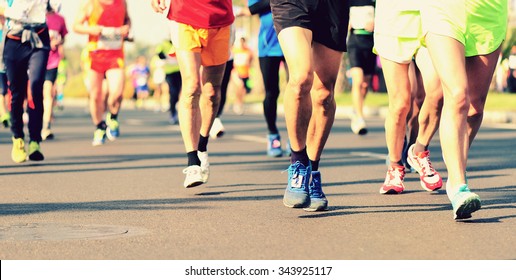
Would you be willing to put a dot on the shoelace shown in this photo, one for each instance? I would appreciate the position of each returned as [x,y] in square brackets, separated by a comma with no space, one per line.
[315,188]
[188,170]
[426,165]
[396,176]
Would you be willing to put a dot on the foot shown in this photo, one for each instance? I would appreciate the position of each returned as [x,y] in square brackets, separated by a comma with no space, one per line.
[113,128]
[99,137]
[217,129]
[193,176]
[464,202]
[5,119]
[358,126]
[393,183]
[46,134]
[297,192]
[35,151]
[430,179]
[205,166]
[318,201]
[274,145]
[18,153]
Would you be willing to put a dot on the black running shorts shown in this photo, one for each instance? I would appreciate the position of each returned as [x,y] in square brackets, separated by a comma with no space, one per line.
[327,19]
[360,53]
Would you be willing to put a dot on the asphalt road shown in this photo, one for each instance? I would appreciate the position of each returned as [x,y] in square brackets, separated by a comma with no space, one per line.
[125,200]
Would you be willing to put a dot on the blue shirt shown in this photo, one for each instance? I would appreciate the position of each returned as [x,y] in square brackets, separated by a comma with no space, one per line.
[268,44]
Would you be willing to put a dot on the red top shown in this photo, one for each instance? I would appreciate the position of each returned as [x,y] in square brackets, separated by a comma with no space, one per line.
[202,13]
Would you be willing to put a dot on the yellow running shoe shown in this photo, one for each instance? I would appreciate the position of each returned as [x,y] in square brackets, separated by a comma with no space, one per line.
[5,119]
[35,151]
[18,153]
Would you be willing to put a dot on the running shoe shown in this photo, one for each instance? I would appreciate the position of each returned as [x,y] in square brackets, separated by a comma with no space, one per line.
[113,128]
[274,145]
[35,151]
[217,129]
[393,183]
[358,126]
[205,166]
[99,137]
[464,203]
[46,134]
[174,119]
[297,192]
[193,177]
[18,153]
[318,201]
[430,179]
[5,119]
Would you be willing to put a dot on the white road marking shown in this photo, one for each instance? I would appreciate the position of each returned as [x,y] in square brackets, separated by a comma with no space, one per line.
[250,138]
[371,155]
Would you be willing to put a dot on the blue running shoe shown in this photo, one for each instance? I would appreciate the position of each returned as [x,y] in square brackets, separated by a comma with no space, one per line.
[274,146]
[113,128]
[297,192]
[464,203]
[318,201]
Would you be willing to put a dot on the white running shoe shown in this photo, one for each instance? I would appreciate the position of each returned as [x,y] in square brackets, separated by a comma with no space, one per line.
[358,126]
[205,166]
[194,176]
[217,129]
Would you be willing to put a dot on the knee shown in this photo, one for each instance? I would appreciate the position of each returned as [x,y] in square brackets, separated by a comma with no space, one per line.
[399,106]
[301,83]
[323,97]
[458,100]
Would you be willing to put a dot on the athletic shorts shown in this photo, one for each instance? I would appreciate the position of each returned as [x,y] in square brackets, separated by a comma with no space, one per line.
[327,19]
[398,32]
[102,61]
[213,43]
[51,75]
[360,53]
[480,25]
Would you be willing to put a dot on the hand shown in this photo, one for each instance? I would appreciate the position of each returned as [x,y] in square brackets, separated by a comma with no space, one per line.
[158,6]
[95,30]
[124,31]
[54,44]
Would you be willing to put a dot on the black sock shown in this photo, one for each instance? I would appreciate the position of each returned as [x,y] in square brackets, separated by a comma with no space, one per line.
[315,164]
[193,159]
[114,116]
[203,143]
[102,125]
[300,156]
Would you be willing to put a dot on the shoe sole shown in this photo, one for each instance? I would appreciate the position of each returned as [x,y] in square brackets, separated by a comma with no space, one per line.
[194,184]
[362,131]
[468,206]
[391,191]
[305,205]
[323,207]
[19,161]
[36,156]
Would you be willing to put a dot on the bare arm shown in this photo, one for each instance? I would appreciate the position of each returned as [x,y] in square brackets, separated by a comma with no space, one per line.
[124,30]
[79,25]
